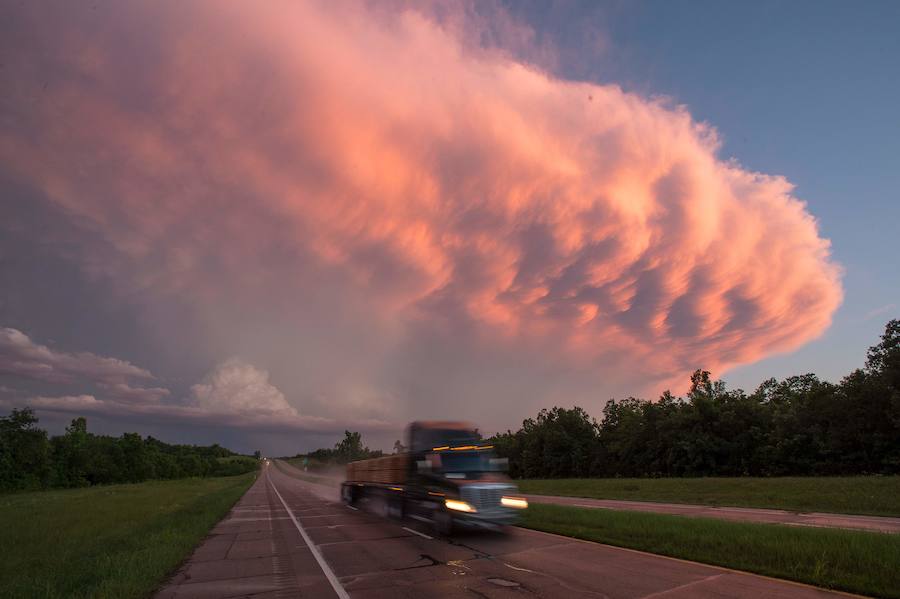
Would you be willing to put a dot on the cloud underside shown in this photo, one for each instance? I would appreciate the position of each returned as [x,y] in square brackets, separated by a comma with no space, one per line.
[298,163]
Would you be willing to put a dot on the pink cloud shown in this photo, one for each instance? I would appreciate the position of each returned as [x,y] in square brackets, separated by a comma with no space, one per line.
[295,163]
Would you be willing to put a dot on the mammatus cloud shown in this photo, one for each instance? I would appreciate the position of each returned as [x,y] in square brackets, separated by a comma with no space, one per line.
[360,198]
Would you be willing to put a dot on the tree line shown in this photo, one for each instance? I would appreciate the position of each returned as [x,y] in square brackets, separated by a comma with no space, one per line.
[31,460]
[349,449]
[797,426]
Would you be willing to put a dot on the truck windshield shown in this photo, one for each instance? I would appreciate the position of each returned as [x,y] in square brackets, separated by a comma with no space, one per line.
[467,462]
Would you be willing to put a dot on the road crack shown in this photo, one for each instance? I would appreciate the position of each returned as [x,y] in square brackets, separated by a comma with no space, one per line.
[422,557]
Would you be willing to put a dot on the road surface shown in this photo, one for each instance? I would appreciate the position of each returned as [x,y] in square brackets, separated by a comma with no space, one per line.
[885,524]
[290,538]
[741,514]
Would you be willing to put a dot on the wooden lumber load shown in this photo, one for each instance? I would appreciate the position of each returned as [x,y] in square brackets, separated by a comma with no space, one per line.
[388,470]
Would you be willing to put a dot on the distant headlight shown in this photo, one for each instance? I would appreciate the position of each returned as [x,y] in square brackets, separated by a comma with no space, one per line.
[516,502]
[460,506]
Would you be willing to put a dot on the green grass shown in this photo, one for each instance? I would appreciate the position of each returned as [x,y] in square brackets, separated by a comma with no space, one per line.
[111,541]
[858,562]
[872,495]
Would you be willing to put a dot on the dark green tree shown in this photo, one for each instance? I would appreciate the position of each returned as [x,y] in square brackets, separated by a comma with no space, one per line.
[24,452]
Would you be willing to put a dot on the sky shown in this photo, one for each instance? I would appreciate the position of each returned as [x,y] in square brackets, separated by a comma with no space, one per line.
[261,225]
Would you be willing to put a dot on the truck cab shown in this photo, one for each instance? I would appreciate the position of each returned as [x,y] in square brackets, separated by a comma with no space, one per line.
[456,479]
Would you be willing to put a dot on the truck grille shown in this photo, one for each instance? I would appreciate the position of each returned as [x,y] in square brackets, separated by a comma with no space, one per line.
[482,498]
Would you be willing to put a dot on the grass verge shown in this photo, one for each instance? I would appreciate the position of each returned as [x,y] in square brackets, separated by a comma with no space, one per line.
[111,541]
[871,495]
[858,562]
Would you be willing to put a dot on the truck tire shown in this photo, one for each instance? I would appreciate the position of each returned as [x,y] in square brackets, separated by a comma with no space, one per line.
[443,522]
[395,508]
[348,494]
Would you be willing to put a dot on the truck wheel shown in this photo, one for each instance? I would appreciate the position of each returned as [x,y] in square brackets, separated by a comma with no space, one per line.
[395,508]
[443,522]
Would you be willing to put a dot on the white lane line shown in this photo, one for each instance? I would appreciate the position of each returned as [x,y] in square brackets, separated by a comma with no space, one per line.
[416,532]
[353,508]
[420,518]
[329,574]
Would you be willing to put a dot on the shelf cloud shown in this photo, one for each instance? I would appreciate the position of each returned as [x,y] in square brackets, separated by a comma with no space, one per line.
[389,220]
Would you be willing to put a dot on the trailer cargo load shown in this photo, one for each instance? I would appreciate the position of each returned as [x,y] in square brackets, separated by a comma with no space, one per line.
[389,470]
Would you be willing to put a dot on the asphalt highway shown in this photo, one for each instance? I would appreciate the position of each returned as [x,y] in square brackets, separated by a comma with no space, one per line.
[291,538]
[884,524]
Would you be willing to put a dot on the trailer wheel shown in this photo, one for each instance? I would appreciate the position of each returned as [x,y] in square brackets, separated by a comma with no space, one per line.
[395,508]
[443,522]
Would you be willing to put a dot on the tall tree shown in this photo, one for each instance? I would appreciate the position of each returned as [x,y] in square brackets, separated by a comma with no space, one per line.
[24,452]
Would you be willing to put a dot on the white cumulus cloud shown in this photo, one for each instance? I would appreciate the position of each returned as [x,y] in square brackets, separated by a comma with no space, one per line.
[235,386]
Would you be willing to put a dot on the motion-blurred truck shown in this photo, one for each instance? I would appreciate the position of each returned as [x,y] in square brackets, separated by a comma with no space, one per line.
[448,477]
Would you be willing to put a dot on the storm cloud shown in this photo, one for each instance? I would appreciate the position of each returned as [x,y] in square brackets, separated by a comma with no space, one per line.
[393,223]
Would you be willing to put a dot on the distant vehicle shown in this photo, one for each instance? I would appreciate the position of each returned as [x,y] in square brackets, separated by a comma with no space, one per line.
[449,478]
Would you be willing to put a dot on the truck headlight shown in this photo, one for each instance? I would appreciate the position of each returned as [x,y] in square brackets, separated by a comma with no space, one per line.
[514,502]
[459,506]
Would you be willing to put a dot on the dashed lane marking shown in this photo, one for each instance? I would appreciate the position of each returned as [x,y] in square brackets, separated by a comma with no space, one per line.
[329,573]
[416,532]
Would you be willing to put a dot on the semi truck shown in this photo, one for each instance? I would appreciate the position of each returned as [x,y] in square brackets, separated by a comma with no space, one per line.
[448,477]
